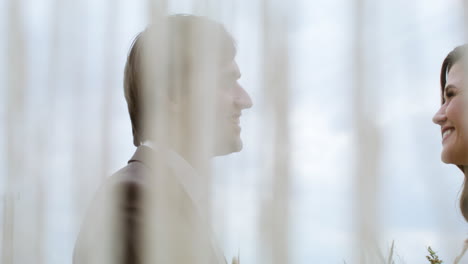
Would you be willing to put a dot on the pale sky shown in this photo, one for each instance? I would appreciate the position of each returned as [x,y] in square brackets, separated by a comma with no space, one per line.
[407,41]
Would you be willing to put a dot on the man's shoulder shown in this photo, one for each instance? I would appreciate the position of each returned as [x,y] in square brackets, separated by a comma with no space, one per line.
[123,189]
[136,172]
[133,172]
[134,179]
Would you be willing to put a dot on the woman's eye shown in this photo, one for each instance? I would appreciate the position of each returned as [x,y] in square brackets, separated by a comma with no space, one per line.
[449,94]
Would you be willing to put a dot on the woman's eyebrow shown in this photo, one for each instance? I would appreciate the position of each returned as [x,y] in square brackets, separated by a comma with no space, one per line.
[449,86]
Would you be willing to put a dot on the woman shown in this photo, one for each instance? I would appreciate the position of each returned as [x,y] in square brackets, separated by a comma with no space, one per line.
[453,120]
[453,116]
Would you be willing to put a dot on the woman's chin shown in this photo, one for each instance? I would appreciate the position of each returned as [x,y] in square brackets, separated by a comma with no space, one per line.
[449,158]
[446,157]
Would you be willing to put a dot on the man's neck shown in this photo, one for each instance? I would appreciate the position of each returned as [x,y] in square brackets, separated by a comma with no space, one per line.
[196,160]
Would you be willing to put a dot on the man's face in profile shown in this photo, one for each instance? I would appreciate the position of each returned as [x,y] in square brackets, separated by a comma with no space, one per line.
[230,100]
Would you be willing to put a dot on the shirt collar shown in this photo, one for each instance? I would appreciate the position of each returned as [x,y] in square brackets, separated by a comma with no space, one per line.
[186,175]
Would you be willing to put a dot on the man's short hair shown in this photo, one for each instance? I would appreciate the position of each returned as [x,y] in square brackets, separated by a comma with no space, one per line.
[175,56]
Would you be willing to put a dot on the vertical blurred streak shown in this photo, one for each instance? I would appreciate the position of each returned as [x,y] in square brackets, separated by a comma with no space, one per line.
[16,82]
[73,59]
[465,58]
[155,75]
[42,150]
[209,8]
[110,62]
[53,58]
[204,82]
[275,89]
[51,91]
[109,40]
[196,52]
[207,50]
[157,10]
[366,144]
[465,19]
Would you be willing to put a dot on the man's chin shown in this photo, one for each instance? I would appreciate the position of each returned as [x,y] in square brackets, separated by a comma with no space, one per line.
[227,148]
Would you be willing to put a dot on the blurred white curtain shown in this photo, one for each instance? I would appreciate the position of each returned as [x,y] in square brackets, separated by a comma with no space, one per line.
[339,159]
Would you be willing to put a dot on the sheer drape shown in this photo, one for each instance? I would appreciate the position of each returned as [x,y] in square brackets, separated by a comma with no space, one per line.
[340,156]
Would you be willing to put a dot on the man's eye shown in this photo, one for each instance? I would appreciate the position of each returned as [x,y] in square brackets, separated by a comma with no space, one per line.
[229,84]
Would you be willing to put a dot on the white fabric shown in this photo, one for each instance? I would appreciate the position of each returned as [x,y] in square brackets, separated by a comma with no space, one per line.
[187,176]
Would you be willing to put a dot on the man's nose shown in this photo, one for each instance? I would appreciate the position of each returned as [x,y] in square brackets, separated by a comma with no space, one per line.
[439,117]
[243,100]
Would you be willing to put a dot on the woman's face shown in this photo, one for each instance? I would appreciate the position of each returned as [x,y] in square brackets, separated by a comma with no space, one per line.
[453,118]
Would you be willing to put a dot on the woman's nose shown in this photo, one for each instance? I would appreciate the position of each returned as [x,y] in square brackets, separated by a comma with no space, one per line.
[439,117]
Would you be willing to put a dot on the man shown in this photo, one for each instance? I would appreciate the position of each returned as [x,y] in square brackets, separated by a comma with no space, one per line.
[184,99]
